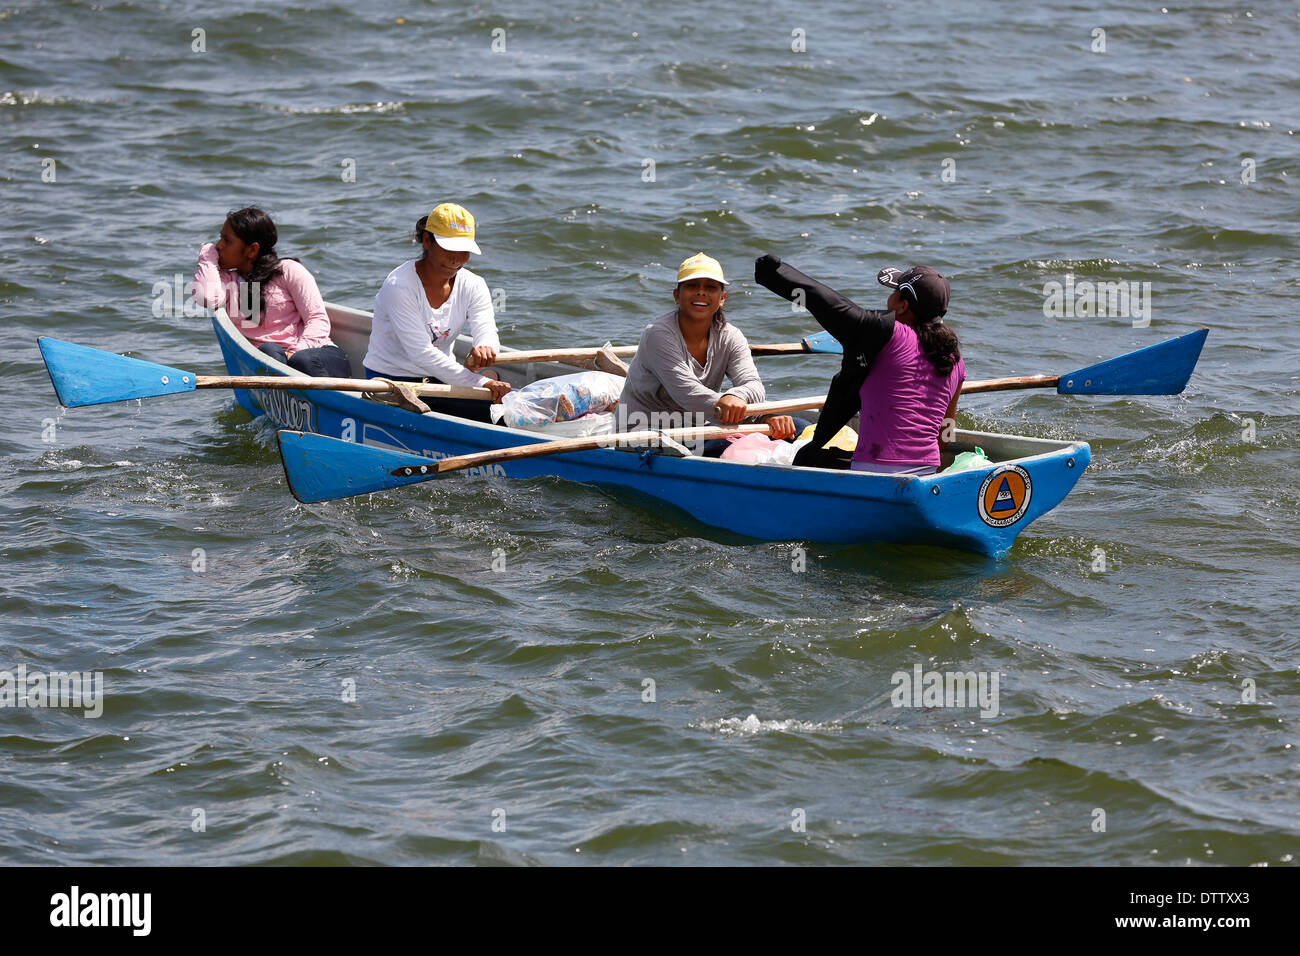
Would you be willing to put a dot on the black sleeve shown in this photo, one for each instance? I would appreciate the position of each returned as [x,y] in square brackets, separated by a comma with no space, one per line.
[842,403]
[864,331]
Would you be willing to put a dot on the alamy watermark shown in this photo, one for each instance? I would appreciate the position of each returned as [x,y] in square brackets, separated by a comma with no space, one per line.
[182,298]
[1116,299]
[626,421]
[77,689]
[921,688]
[129,910]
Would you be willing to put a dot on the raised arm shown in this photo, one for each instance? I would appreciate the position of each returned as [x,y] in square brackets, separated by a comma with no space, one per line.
[208,287]
[857,329]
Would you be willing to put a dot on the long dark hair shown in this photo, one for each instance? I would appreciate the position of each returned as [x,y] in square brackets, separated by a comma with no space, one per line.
[251,224]
[940,345]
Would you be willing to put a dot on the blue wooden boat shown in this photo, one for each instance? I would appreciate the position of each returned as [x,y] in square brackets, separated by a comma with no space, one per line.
[980,510]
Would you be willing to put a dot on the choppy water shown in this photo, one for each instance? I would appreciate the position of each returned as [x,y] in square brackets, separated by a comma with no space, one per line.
[516,697]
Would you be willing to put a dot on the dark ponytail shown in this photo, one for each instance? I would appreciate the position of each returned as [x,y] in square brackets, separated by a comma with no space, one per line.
[251,224]
[940,345]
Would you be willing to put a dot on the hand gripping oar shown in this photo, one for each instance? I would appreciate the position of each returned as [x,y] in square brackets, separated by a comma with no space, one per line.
[85,376]
[322,469]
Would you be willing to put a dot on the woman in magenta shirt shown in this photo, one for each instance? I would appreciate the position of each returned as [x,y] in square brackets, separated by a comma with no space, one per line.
[275,302]
[902,369]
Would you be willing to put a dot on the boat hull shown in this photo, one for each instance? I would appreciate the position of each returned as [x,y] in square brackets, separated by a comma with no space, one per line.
[981,510]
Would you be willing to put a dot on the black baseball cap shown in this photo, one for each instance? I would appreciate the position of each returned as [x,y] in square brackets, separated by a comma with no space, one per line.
[924,287]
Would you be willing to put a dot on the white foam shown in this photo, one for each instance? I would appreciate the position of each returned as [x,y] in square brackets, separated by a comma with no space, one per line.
[736,727]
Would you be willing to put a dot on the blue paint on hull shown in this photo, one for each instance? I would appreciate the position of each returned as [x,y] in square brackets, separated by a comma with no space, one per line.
[771,503]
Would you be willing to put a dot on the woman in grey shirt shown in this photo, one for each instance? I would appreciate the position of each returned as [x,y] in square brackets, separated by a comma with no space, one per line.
[675,380]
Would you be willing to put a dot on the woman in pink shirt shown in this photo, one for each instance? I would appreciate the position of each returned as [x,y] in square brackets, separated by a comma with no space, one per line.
[902,369]
[275,302]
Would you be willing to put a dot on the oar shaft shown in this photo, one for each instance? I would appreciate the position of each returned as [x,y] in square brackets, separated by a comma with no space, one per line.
[587,355]
[336,385]
[983,385]
[559,355]
[1006,384]
[786,406]
[460,391]
[780,348]
[623,439]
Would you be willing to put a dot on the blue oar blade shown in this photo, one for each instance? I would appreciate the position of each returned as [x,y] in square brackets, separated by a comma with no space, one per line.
[85,376]
[1162,369]
[322,469]
[823,342]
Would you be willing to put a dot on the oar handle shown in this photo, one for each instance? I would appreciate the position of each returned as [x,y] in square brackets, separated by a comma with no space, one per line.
[786,406]
[338,385]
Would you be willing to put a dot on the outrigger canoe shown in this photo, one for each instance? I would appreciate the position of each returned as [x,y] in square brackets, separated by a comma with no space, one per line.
[336,443]
[980,510]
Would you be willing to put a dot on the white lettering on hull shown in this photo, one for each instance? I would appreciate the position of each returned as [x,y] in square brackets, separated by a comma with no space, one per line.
[286,409]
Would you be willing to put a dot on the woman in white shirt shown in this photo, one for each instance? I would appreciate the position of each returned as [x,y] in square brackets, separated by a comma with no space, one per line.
[422,307]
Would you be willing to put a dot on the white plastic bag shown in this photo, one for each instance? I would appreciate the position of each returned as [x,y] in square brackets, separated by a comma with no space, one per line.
[560,399]
[761,450]
[601,424]
[784,452]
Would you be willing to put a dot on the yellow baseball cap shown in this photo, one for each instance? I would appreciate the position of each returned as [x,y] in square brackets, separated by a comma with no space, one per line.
[700,266]
[452,227]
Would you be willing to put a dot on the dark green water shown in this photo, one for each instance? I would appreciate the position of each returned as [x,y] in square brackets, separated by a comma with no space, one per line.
[516,697]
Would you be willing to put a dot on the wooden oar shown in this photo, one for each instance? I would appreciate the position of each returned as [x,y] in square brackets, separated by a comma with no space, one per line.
[82,375]
[565,356]
[323,469]
[636,439]
[86,376]
[1161,369]
[819,344]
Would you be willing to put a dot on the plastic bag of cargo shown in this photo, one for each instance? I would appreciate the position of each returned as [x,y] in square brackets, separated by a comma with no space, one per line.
[968,460]
[751,448]
[602,423]
[784,451]
[560,399]
[761,450]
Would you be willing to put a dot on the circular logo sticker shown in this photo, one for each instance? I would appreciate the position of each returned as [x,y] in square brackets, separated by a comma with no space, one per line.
[1004,496]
